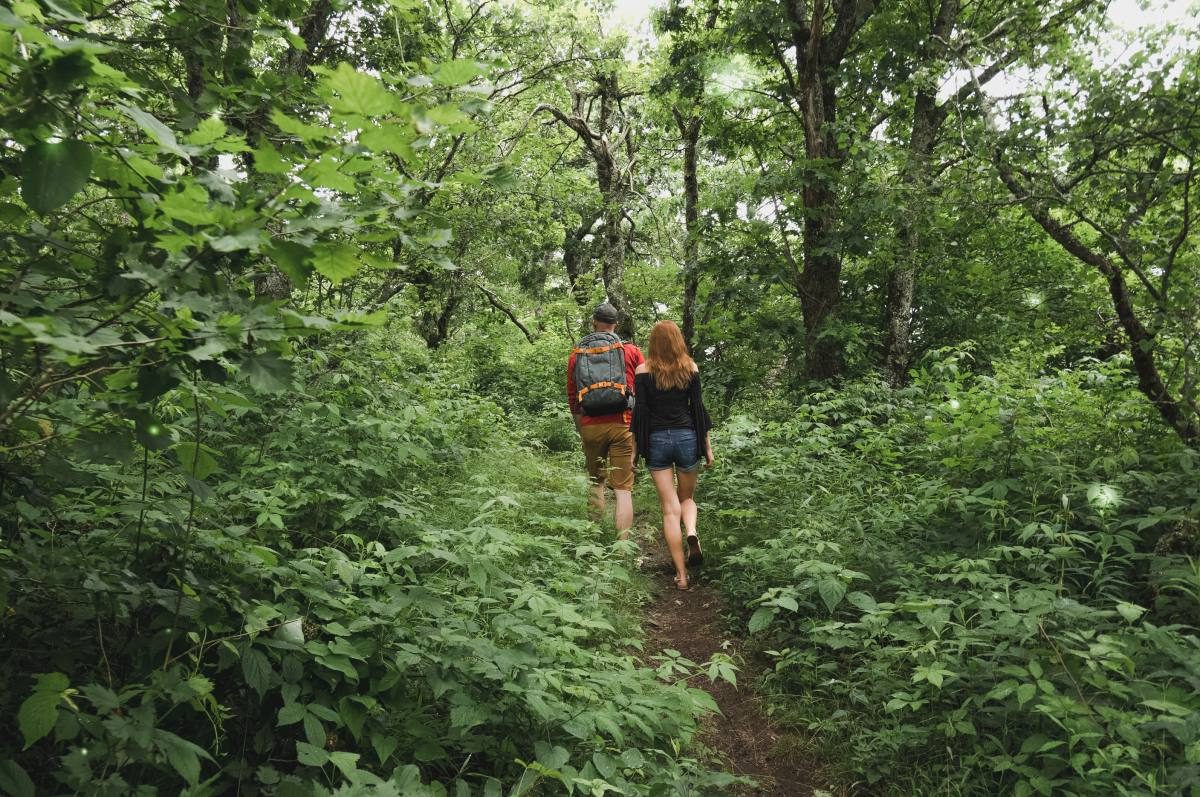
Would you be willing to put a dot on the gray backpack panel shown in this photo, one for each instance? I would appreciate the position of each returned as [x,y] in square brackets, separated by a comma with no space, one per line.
[600,375]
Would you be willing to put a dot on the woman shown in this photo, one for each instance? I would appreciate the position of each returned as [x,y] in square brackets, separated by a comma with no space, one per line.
[669,422]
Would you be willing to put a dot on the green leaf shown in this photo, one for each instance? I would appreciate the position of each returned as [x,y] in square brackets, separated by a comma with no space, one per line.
[762,617]
[456,73]
[290,714]
[501,176]
[551,757]
[184,756]
[53,173]
[1130,611]
[310,755]
[327,173]
[257,669]
[831,590]
[314,731]
[347,763]
[703,701]
[1168,707]
[293,260]
[437,238]
[384,746]
[862,601]
[328,714]
[14,781]
[336,262]
[189,205]
[357,93]
[210,130]
[156,129]
[304,132]
[478,575]
[150,431]
[267,160]
[197,462]
[209,349]
[449,115]
[250,239]
[291,631]
[38,714]
[259,618]
[267,372]
[395,139]
[633,758]
[339,664]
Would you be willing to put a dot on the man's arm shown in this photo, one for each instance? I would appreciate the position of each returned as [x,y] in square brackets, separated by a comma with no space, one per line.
[632,362]
[572,401]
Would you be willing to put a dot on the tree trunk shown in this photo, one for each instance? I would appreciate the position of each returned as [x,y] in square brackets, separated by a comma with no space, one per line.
[433,324]
[574,263]
[926,123]
[689,130]
[612,179]
[614,259]
[902,277]
[820,286]
[818,55]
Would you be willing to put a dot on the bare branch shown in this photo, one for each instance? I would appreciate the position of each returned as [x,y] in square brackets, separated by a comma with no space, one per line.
[494,301]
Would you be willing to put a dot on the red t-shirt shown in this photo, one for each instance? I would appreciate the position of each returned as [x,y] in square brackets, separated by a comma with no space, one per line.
[633,358]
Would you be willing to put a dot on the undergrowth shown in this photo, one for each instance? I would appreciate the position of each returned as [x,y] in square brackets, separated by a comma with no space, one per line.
[978,585]
[368,584]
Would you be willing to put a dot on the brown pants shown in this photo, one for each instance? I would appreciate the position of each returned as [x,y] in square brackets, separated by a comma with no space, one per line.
[608,449]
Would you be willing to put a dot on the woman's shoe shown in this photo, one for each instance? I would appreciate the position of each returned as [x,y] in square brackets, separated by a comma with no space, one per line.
[681,584]
[695,555]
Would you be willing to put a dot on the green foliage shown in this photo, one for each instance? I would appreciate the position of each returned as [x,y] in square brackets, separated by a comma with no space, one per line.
[378,591]
[159,222]
[970,574]
[286,293]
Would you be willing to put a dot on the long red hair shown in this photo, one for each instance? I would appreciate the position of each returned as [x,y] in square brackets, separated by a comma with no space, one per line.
[667,357]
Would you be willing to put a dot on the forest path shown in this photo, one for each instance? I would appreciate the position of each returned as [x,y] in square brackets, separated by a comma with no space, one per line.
[743,737]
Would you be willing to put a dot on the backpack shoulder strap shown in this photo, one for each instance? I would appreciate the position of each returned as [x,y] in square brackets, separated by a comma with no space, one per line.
[598,343]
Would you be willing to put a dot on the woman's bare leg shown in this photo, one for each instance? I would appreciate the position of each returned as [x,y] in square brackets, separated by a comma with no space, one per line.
[664,483]
[687,502]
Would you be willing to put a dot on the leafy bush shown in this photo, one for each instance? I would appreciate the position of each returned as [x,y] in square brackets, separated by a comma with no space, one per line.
[962,585]
[315,596]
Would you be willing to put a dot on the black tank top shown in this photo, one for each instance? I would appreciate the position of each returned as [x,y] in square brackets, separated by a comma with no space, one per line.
[668,409]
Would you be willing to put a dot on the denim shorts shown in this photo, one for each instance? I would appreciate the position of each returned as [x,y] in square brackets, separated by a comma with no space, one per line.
[676,447]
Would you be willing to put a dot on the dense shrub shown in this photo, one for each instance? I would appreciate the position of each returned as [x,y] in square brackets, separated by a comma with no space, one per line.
[360,586]
[972,585]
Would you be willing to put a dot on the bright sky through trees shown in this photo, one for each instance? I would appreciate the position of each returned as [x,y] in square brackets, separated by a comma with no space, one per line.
[1130,14]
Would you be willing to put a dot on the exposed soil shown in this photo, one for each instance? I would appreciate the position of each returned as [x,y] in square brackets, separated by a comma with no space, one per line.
[743,737]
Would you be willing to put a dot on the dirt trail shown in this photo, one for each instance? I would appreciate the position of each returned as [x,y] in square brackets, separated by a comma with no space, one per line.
[744,738]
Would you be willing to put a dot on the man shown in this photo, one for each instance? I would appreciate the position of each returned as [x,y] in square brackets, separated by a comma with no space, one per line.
[599,391]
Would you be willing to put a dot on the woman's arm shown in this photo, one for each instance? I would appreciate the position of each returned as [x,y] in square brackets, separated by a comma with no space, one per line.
[640,425]
[700,417]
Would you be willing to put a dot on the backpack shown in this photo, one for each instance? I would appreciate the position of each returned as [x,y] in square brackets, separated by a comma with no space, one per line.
[600,375]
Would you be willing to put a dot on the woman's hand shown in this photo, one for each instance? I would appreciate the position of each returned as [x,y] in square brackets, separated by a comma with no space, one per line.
[708,458]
